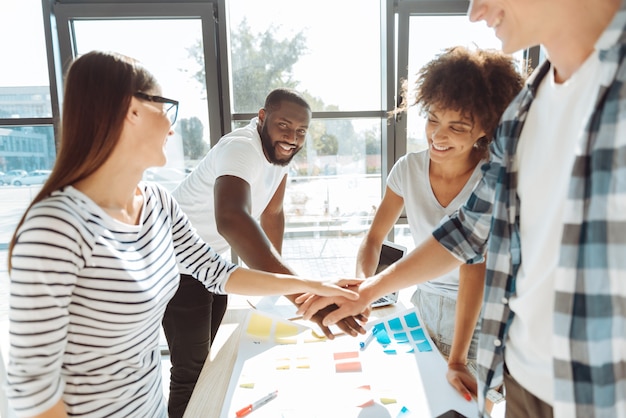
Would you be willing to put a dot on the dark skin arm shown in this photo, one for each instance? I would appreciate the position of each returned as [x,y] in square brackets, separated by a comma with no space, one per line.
[260,245]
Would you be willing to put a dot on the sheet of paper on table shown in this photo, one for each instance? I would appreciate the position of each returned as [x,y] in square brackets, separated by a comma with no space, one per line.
[399,374]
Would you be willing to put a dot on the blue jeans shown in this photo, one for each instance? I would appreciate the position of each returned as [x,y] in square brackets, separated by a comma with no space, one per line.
[438,313]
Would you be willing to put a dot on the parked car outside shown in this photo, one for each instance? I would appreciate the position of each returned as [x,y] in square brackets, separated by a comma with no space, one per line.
[9,176]
[34,177]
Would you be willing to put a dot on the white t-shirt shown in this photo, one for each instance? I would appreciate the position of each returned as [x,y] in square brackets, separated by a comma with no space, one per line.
[238,154]
[550,139]
[410,180]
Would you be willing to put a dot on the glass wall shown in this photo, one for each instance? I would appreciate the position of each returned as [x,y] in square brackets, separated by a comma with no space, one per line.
[174,61]
[27,145]
[173,42]
[437,30]
[329,50]
[220,58]
[336,180]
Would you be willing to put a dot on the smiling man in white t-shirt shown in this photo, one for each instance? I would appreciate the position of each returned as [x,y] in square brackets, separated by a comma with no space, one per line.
[234,198]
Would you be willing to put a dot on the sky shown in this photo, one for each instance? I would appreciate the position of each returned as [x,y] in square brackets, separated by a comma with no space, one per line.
[22,44]
[342,52]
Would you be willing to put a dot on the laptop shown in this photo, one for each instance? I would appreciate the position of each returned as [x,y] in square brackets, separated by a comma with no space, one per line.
[389,254]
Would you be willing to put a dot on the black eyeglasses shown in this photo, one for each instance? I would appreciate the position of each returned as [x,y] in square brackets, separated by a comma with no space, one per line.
[170,106]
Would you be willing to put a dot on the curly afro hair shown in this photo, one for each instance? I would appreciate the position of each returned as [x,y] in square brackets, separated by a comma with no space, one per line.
[478,83]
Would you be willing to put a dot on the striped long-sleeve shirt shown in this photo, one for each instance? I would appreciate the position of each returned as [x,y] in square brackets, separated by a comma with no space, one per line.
[87,297]
[589,342]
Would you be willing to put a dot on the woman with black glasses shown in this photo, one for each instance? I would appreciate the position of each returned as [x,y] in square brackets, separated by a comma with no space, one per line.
[93,262]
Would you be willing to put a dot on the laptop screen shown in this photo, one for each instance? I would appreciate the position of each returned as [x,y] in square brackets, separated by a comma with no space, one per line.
[389,254]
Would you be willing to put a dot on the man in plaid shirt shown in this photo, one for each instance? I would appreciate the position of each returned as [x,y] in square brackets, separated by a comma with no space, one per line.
[550,214]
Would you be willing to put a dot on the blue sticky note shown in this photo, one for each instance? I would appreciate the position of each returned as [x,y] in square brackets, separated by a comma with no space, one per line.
[424,346]
[390,351]
[395,324]
[411,320]
[418,334]
[404,412]
[382,337]
[401,337]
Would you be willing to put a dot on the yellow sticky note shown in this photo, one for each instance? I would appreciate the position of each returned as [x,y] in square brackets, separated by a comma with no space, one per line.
[259,325]
[283,364]
[287,340]
[302,363]
[312,337]
[285,330]
[387,401]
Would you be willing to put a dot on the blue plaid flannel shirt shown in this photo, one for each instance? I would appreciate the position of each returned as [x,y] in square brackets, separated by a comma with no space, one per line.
[589,342]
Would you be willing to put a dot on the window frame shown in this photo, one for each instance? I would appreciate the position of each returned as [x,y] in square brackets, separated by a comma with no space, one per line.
[64,13]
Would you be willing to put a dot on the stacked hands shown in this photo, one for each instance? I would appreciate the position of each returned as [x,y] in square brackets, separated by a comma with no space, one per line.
[337,309]
[337,303]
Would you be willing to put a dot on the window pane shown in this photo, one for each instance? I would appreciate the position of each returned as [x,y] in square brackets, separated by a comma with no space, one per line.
[332,57]
[172,50]
[26,156]
[436,29]
[24,84]
[334,182]
[402,235]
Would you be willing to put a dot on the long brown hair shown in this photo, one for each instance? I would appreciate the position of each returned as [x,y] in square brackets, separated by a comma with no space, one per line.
[98,90]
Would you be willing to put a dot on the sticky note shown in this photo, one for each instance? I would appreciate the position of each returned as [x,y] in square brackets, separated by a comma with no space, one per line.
[411,320]
[302,363]
[404,412]
[401,337]
[285,330]
[363,396]
[382,337]
[378,327]
[387,401]
[366,403]
[317,335]
[259,325]
[283,364]
[418,334]
[395,324]
[345,355]
[348,367]
[424,346]
[311,336]
[287,340]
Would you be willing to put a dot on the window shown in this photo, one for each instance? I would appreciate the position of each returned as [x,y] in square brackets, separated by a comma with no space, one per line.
[306,45]
[26,130]
[220,58]
[437,30]
[335,181]
[174,41]
[24,83]
[424,30]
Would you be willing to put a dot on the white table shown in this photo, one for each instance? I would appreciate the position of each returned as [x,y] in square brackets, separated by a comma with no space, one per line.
[212,386]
